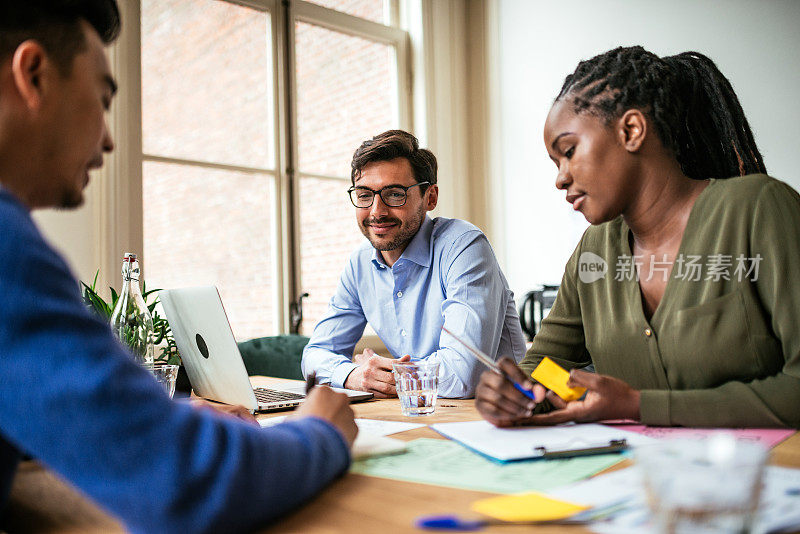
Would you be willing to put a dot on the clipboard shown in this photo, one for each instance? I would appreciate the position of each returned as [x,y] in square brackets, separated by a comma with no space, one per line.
[540,442]
[614,445]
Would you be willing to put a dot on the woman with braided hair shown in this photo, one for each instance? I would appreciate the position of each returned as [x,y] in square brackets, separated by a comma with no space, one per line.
[683,293]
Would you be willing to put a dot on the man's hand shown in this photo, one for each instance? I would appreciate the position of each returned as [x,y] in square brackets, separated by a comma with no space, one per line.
[359,359]
[606,398]
[233,410]
[333,407]
[499,402]
[374,374]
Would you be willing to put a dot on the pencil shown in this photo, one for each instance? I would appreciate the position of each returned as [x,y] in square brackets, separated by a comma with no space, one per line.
[491,364]
[311,381]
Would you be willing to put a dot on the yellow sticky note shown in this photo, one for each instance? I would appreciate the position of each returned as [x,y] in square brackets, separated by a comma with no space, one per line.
[552,376]
[526,507]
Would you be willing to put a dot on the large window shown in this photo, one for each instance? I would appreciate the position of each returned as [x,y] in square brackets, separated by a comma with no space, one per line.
[251,111]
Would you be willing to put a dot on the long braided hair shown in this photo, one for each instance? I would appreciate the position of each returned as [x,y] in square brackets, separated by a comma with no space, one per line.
[693,107]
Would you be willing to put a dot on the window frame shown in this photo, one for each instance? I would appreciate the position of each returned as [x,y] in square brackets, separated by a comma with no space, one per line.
[284,14]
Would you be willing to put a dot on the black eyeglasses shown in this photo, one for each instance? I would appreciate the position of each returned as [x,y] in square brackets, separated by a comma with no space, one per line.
[393,196]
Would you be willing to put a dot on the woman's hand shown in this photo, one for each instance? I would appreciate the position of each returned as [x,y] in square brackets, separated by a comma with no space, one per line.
[606,398]
[499,402]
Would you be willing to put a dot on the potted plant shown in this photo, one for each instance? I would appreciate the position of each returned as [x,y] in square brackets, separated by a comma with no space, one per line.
[166,349]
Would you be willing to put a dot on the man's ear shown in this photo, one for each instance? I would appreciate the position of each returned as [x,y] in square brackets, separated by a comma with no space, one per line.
[433,197]
[632,129]
[29,66]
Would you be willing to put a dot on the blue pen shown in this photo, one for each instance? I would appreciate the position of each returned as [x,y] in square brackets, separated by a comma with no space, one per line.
[490,363]
[455,523]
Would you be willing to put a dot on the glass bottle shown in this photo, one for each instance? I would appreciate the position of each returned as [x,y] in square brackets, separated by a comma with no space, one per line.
[131,320]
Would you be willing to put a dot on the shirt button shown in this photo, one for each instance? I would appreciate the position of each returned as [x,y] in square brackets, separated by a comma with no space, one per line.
[403,333]
[648,332]
[399,294]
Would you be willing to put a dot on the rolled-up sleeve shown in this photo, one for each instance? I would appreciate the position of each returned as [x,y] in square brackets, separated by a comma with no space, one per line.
[329,351]
[474,310]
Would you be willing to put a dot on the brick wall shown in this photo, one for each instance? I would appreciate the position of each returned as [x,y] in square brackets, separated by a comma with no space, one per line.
[344,97]
[367,9]
[207,96]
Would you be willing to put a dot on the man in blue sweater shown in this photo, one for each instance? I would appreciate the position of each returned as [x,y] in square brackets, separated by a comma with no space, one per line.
[69,394]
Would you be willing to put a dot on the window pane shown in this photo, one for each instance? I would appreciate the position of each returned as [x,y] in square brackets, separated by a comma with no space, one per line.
[328,235]
[374,10]
[345,93]
[212,227]
[207,82]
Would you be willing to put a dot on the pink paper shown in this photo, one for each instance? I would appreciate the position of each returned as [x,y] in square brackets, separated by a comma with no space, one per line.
[768,436]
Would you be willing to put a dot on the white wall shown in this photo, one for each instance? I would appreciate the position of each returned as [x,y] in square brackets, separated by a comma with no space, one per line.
[756,44]
[72,233]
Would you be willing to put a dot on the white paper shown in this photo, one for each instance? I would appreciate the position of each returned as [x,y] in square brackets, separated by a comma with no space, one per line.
[518,443]
[366,427]
[371,439]
[376,427]
[366,446]
[272,421]
[603,490]
[780,501]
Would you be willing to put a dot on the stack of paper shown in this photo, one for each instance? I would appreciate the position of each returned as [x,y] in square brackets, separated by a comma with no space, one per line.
[779,508]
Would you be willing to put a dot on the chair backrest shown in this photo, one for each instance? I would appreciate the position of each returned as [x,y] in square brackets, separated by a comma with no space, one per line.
[535,307]
[277,356]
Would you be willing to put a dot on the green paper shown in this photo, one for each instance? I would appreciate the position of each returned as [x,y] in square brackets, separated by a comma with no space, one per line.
[446,463]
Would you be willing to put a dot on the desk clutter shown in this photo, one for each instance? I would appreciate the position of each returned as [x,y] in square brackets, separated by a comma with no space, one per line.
[446,463]
[562,490]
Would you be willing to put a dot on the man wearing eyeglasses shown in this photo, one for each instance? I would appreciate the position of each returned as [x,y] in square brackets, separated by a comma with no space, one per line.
[415,275]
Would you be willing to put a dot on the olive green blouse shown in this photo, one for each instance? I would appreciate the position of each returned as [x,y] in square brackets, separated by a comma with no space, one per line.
[723,347]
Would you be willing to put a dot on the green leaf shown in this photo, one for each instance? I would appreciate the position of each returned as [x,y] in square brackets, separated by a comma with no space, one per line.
[145,294]
[96,302]
[160,334]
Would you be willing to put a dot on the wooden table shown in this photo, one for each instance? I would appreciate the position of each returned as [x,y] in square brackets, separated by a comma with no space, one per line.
[40,502]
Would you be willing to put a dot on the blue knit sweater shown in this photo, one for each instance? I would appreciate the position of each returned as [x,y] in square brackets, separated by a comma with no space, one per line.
[72,397]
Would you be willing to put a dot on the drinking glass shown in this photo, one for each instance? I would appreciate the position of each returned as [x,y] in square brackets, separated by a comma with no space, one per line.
[166,376]
[703,486]
[417,385]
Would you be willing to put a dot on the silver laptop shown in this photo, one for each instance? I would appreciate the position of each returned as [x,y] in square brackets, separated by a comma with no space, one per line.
[212,359]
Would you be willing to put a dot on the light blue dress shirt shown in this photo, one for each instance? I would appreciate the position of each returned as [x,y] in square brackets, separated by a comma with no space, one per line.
[447,275]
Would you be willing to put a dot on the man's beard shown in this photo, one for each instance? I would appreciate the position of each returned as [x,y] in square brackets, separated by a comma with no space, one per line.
[404,236]
[73,198]
[70,200]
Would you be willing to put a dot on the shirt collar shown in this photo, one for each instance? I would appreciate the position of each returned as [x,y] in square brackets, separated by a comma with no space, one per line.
[418,249]
[377,259]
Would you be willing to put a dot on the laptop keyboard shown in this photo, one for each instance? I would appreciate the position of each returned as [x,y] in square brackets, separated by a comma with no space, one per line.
[265,395]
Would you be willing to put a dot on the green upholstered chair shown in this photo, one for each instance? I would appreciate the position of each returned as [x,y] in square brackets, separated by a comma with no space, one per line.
[277,356]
